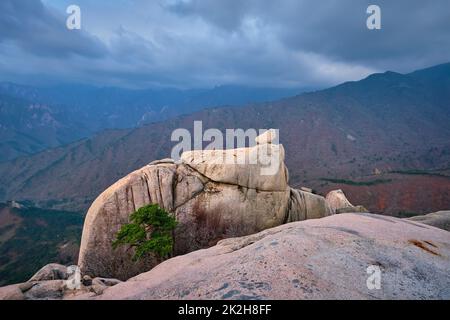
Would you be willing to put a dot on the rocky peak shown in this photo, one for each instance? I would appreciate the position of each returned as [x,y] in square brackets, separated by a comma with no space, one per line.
[211,199]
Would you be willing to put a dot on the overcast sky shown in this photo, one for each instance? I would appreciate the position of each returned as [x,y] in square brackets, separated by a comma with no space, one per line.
[203,43]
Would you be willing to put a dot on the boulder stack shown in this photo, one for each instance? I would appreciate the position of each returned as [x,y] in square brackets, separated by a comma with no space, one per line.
[211,198]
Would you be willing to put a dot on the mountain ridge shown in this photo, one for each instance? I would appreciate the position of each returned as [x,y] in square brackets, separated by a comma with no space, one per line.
[356,132]
[62,114]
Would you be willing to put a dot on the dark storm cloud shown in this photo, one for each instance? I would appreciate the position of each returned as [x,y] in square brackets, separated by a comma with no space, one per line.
[191,43]
[36,29]
[412,31]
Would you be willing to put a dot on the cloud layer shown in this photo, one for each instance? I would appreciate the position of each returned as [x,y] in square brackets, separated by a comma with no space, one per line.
[198,43]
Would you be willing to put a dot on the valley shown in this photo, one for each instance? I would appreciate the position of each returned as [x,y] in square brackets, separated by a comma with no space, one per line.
[33,119]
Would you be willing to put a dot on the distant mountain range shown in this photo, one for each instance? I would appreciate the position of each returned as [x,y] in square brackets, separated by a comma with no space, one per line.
[33,119]
[384,140]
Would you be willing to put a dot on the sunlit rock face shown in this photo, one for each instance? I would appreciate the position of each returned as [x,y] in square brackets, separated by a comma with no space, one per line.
[211,198]
[336,257]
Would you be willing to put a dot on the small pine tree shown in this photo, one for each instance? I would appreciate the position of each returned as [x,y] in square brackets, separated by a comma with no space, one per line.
[150,230]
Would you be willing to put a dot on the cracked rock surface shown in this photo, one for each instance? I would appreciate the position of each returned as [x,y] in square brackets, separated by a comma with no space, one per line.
[210,200]
[313,259]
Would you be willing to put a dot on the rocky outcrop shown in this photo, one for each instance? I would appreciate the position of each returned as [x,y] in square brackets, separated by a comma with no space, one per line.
[46,290]
[440,219]
[241,167]
[49,283]
[337,199]
[52,271]
[329,258]
[339,203]
[99,285]
[305,205]
[12,292]
[52,283]
[211,198]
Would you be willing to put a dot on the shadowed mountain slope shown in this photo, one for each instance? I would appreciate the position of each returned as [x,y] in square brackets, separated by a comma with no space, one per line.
[384,140]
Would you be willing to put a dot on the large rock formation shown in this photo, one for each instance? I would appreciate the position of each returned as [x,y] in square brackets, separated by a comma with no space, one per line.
[210,197]
[329,258]
[340,204]
[440,219]
[55,282]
